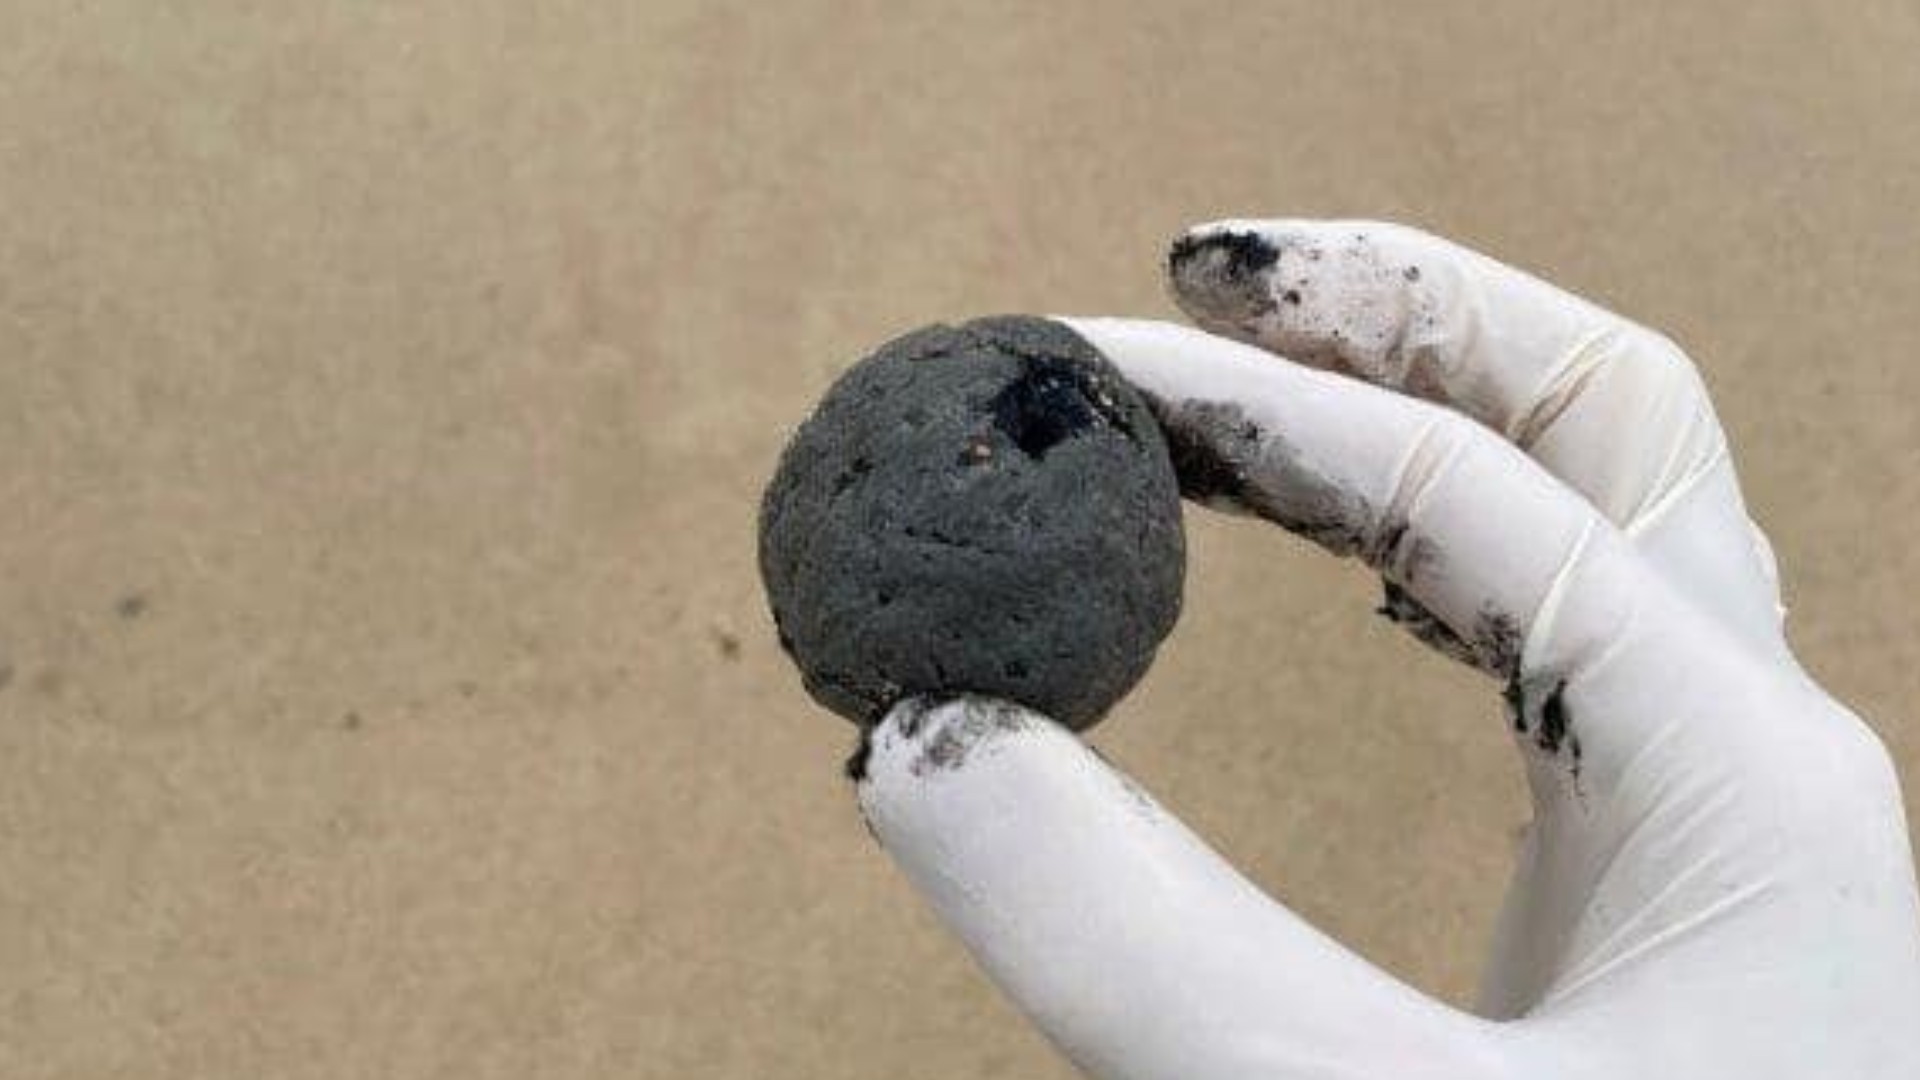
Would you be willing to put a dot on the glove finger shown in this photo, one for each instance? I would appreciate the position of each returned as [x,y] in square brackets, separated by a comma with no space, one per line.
[1471,535]
[1136,948]
[1613,409]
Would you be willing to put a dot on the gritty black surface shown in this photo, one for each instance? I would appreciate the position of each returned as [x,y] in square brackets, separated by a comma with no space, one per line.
[978,509]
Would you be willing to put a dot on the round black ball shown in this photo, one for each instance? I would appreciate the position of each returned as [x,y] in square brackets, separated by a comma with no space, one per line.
[980,509]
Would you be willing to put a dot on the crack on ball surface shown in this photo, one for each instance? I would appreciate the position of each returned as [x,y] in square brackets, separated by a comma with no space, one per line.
[1052,401]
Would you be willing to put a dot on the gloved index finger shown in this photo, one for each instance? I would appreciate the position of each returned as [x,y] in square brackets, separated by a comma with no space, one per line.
[1474,531]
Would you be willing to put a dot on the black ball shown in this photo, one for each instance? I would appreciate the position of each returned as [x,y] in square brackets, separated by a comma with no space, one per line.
[982,509]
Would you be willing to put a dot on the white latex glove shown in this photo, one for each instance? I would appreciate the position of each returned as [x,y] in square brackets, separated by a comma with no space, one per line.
[1717,882]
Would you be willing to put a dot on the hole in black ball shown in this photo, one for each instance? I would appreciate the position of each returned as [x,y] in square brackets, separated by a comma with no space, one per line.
[1050,403]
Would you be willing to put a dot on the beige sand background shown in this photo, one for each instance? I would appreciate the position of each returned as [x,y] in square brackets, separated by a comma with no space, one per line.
[386,389]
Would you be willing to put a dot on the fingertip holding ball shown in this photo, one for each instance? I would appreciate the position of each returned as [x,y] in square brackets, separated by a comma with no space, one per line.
[983,509]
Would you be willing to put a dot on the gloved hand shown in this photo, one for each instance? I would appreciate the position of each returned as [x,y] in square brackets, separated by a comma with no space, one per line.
[1717,882]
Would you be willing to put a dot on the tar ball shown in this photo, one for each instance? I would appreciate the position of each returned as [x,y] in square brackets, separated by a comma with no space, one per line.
[978,509]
